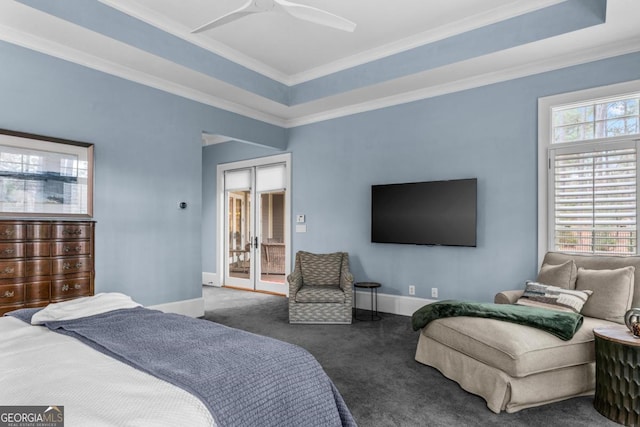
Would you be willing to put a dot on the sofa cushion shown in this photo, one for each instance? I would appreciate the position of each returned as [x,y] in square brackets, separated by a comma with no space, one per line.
[562,275]
[517,350]
[320,269]
[554,298]
[317,294]
[612,292]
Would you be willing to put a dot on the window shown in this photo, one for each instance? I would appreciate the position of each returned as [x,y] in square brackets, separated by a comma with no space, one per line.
[594,204]
[41,176]
[588,174]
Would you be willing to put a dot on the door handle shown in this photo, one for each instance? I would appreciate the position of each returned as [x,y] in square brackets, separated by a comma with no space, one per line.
[255,240]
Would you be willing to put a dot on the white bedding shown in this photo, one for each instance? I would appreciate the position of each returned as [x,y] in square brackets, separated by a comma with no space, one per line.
[41,367]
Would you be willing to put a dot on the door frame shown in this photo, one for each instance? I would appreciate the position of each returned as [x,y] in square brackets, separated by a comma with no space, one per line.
[221,217]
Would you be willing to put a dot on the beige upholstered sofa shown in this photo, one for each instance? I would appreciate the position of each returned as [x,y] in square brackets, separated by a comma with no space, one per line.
[515,367]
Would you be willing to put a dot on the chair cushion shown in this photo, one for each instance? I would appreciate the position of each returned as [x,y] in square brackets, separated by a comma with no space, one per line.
[612,292]
[317,294]
[320,269]
[517,350]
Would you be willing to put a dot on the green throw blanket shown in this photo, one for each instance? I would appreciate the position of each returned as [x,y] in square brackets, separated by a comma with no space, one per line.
[561,324]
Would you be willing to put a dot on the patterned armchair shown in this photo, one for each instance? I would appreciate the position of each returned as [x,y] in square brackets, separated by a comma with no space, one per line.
[321,289]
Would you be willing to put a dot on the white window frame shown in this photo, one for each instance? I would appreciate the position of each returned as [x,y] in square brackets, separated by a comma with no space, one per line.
[545,136]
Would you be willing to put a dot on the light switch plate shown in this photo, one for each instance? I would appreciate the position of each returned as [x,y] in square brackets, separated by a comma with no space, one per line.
[301,228]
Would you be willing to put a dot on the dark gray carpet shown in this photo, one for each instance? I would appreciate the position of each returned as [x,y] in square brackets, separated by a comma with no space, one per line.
[373,366]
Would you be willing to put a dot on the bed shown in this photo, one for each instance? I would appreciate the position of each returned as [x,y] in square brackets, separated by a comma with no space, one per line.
[86,356]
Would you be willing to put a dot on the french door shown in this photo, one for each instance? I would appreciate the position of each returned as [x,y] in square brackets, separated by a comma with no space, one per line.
[255,234]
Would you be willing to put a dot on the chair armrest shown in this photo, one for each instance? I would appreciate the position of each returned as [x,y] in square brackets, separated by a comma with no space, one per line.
[295,283]
[346,282]
[508,297]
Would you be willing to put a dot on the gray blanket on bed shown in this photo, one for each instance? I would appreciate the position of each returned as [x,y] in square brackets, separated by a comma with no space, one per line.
[244,379]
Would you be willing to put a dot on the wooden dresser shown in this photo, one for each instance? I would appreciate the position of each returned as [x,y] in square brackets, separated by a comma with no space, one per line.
[45,261]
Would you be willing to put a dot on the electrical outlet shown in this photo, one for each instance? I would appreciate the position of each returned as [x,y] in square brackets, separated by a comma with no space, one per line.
[412,290]
[434,292]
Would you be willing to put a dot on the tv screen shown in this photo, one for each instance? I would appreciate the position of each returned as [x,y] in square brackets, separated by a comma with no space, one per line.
[425,213]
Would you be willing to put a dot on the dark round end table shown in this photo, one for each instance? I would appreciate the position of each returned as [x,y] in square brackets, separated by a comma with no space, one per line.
[617,374]
[373,288]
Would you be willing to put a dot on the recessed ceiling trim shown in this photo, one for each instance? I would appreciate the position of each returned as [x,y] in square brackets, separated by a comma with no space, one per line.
[519,71]
[138,11]
[144,14]
[451,29]
[14,12]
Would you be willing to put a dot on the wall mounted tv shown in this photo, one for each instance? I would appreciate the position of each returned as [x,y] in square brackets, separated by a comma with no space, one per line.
[425,213]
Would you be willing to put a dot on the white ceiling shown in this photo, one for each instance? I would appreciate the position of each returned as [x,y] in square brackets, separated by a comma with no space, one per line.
[290,51]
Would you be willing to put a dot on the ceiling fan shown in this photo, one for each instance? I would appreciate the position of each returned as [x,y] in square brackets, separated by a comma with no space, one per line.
[300,11]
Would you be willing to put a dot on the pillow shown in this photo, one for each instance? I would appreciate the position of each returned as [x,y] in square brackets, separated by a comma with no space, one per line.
[553,297]
[83,307]
[562,276]
[612,292]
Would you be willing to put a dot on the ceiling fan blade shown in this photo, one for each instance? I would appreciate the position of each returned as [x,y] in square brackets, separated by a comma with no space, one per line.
[317,16]
[247,9]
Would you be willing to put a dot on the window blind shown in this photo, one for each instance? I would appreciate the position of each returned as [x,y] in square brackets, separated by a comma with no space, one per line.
[595,201]
[237,180]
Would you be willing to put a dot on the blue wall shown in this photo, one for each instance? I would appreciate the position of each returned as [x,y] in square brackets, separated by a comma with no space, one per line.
[489,133]
[148,157]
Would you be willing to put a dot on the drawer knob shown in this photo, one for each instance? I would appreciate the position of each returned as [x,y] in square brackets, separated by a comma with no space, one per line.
[68,266]
[66,287]
[8,251]
[8,232]
[8,294]
[8,270]
[68,249]
[72,231]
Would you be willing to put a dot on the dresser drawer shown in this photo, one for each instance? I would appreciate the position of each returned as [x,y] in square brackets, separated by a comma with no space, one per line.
[80,247]
[70,288]
[38,231]
[11,250]
[11,294]
[38,267]
[72,265]
[71,231]
[9,231]
[37,291]
[11,269]
[38,249]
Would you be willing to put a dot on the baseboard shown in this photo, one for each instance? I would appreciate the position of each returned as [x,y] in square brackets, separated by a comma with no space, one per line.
[191,307]
[211,279]
[394,304]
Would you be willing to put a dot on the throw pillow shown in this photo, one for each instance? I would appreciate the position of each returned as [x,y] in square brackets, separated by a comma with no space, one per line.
[562,276]
[612,292]
[553,297]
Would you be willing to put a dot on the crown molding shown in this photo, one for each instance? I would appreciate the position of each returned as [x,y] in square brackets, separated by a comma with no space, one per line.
[144,14]
[59,38]
[440,33]
[491,77]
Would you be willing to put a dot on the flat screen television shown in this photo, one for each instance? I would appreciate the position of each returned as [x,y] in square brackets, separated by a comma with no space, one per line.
[425,213]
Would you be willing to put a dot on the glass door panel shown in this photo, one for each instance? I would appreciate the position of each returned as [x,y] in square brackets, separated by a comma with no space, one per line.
[239,266]
[271,231]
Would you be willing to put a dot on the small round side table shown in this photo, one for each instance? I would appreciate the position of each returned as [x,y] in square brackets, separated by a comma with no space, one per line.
[617,375]
[373,289]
